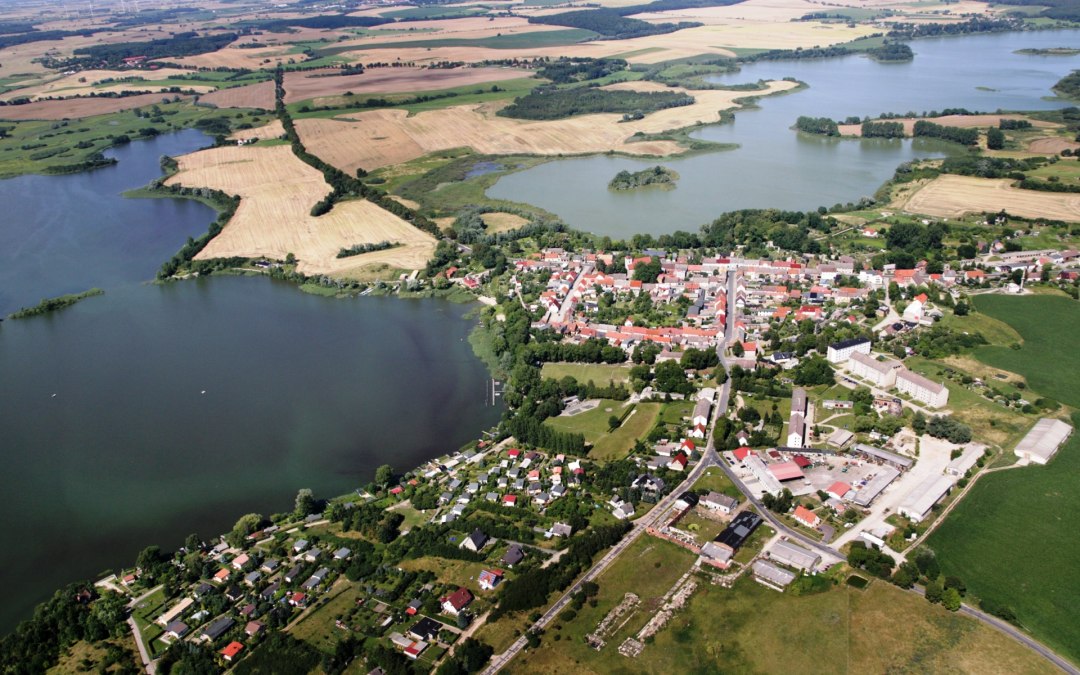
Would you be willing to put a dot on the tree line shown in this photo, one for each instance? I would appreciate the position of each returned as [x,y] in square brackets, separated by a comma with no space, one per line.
[955,134]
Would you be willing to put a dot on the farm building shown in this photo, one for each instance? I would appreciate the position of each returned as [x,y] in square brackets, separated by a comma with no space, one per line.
[877,454]
[719,502]
[875,486]
[967,459]
[739,530]
[772,576]
[785,471]
[920,500]
[840,438]
[1042,442]
[768,481]
[791,554]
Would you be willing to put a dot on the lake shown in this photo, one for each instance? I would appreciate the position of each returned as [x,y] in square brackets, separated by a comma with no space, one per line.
[154,411]
[777,167]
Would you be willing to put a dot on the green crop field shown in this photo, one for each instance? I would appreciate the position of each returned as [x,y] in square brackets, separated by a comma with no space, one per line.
[1012,540]
[1048,357]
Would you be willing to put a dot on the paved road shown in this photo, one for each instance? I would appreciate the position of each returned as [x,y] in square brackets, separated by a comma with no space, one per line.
[148,663]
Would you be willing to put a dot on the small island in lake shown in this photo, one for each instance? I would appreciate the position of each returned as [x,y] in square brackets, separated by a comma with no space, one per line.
[52,304]
[1049,51]
[657,175]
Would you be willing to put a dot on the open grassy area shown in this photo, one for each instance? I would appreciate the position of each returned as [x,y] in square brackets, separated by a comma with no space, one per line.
[318,627]
[598,373]
[1012,540]
[1049,326]
[594,425]
[752,629]
[715,480]
[990,422]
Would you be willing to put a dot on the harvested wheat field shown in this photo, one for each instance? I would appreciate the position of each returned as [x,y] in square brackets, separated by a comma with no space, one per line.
[953,196]
[70,85]
[301,86]
[379,138]
[79,107]
[263,133]
[752,10]
[963,121]
[502,222]
[234,57]
[277,192]
[1052,145]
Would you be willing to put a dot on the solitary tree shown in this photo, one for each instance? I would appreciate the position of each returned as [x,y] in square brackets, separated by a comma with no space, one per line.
[950,599]
[305,502]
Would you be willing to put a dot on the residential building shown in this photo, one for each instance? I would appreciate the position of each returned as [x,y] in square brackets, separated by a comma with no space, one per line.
[928,392]
[475,541]
[457,601]
[878,373]
[719,502]
[806,516]
[489,579]
[841,351]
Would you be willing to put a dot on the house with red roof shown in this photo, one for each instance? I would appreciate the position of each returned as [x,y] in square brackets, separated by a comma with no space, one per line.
[806,516]
[489,579]
[678,462]
[221,576]
[838,489]
[231,650]
[509,500]
[298,599]
[741,453]
[457,601]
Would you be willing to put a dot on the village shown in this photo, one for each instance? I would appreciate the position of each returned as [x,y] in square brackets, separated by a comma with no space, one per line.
[758,414]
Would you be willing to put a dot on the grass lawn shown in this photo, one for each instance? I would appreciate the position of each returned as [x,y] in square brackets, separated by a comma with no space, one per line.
[413,517]
[1021,519]
[318,627]
[457,572]
[703,529]
[996,332]
[752,629]
[715,480]
[599,373]
[1049,326]
[594,425]
[676,412]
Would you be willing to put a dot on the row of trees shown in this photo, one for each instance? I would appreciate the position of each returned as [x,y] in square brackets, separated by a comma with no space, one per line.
[955,134]
[551,103]
[883,130]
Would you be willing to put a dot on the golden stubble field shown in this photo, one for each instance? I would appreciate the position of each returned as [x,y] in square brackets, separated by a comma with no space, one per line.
[83,83]
[378,138]
[277,192]
[952,196]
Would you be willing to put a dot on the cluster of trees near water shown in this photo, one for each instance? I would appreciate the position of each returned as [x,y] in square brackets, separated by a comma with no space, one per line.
[882,130]
[657,175]
[1063,10]
[822,126]
[891,52]
[1069,86]
[909,31]
[550,103]
[955,134]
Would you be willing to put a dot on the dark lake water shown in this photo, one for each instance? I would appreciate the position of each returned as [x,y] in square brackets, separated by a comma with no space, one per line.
[778,167]
[108,440]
